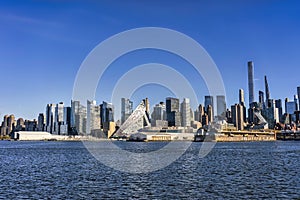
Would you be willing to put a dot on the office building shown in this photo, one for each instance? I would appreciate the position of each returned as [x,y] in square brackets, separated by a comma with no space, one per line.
[67,121]
[241,97]
[172,110]
[126,109]
[50,118]
[209,100]
[93,122]
[185,113]
[30,125]
[59,117]
[210,114]
[261,99]
[237,116]
[158,114]
[221,106]
[41,122]
[290,106]
[107,118]
[278,105]
[296,100]
[20,125]
[78,117]
[8,125]
[271,114]
[298,93]
[267,92]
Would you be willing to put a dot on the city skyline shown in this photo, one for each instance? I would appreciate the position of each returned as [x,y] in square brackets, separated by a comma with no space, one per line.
[50,47]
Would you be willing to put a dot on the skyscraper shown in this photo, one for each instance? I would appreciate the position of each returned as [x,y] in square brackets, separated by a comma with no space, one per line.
[107,118]
[298,93]
[59,117]
[172,110]
[210,113]
[290,106]
[201,112]
[107,112]
[78,117]
[296,100]
[251,81]
[185,113]
[126,109]
[209,100]
[237,113]
[241,97]
[278,105]
[147,106]
[159,113]
[50,118]
[41,122]
[221,105]
[261,99]
[92,117]
[267,92]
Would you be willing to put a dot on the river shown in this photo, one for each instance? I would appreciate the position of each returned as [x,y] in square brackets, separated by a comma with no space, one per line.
[66,170]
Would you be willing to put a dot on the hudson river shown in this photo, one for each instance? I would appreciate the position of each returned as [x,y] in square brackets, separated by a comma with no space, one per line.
[66,170]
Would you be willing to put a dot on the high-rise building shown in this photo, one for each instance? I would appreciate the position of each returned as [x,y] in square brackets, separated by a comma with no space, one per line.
[59,117]
[67,121]
[107,118]
[237,114]
[209,100]
[270,113]
[240,117]
[50,118]
[41,122]
[296,100]
[92,118]
[221,105]
[158,114]
[278,105]
[267,92]
[78,117]
[201,112]
[172,110]
[4,126]
[11,122]
[210,113]
[147,106]
[290,106]
[261,99]
[251,81]
[20,125]
[107,112]
[196,115]
[185,113]
[30,125]
[8,125]
[126,109]
[59,112]
[298,93]
[205,120]
[241,97]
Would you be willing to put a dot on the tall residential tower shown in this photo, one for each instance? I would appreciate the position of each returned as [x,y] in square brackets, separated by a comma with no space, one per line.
[251,81]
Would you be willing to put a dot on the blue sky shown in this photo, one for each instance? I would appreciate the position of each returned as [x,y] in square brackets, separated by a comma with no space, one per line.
[43,43]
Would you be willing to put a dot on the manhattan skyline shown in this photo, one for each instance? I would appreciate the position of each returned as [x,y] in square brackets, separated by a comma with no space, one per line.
[44,44]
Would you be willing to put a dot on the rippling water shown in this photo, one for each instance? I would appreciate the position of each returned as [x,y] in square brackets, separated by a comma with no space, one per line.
[66,170]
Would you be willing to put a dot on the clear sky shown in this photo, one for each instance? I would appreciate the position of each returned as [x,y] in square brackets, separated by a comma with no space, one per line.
[43,43]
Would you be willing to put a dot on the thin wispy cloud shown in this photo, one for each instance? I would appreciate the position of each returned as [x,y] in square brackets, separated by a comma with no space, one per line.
[49,29]
[16,18]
